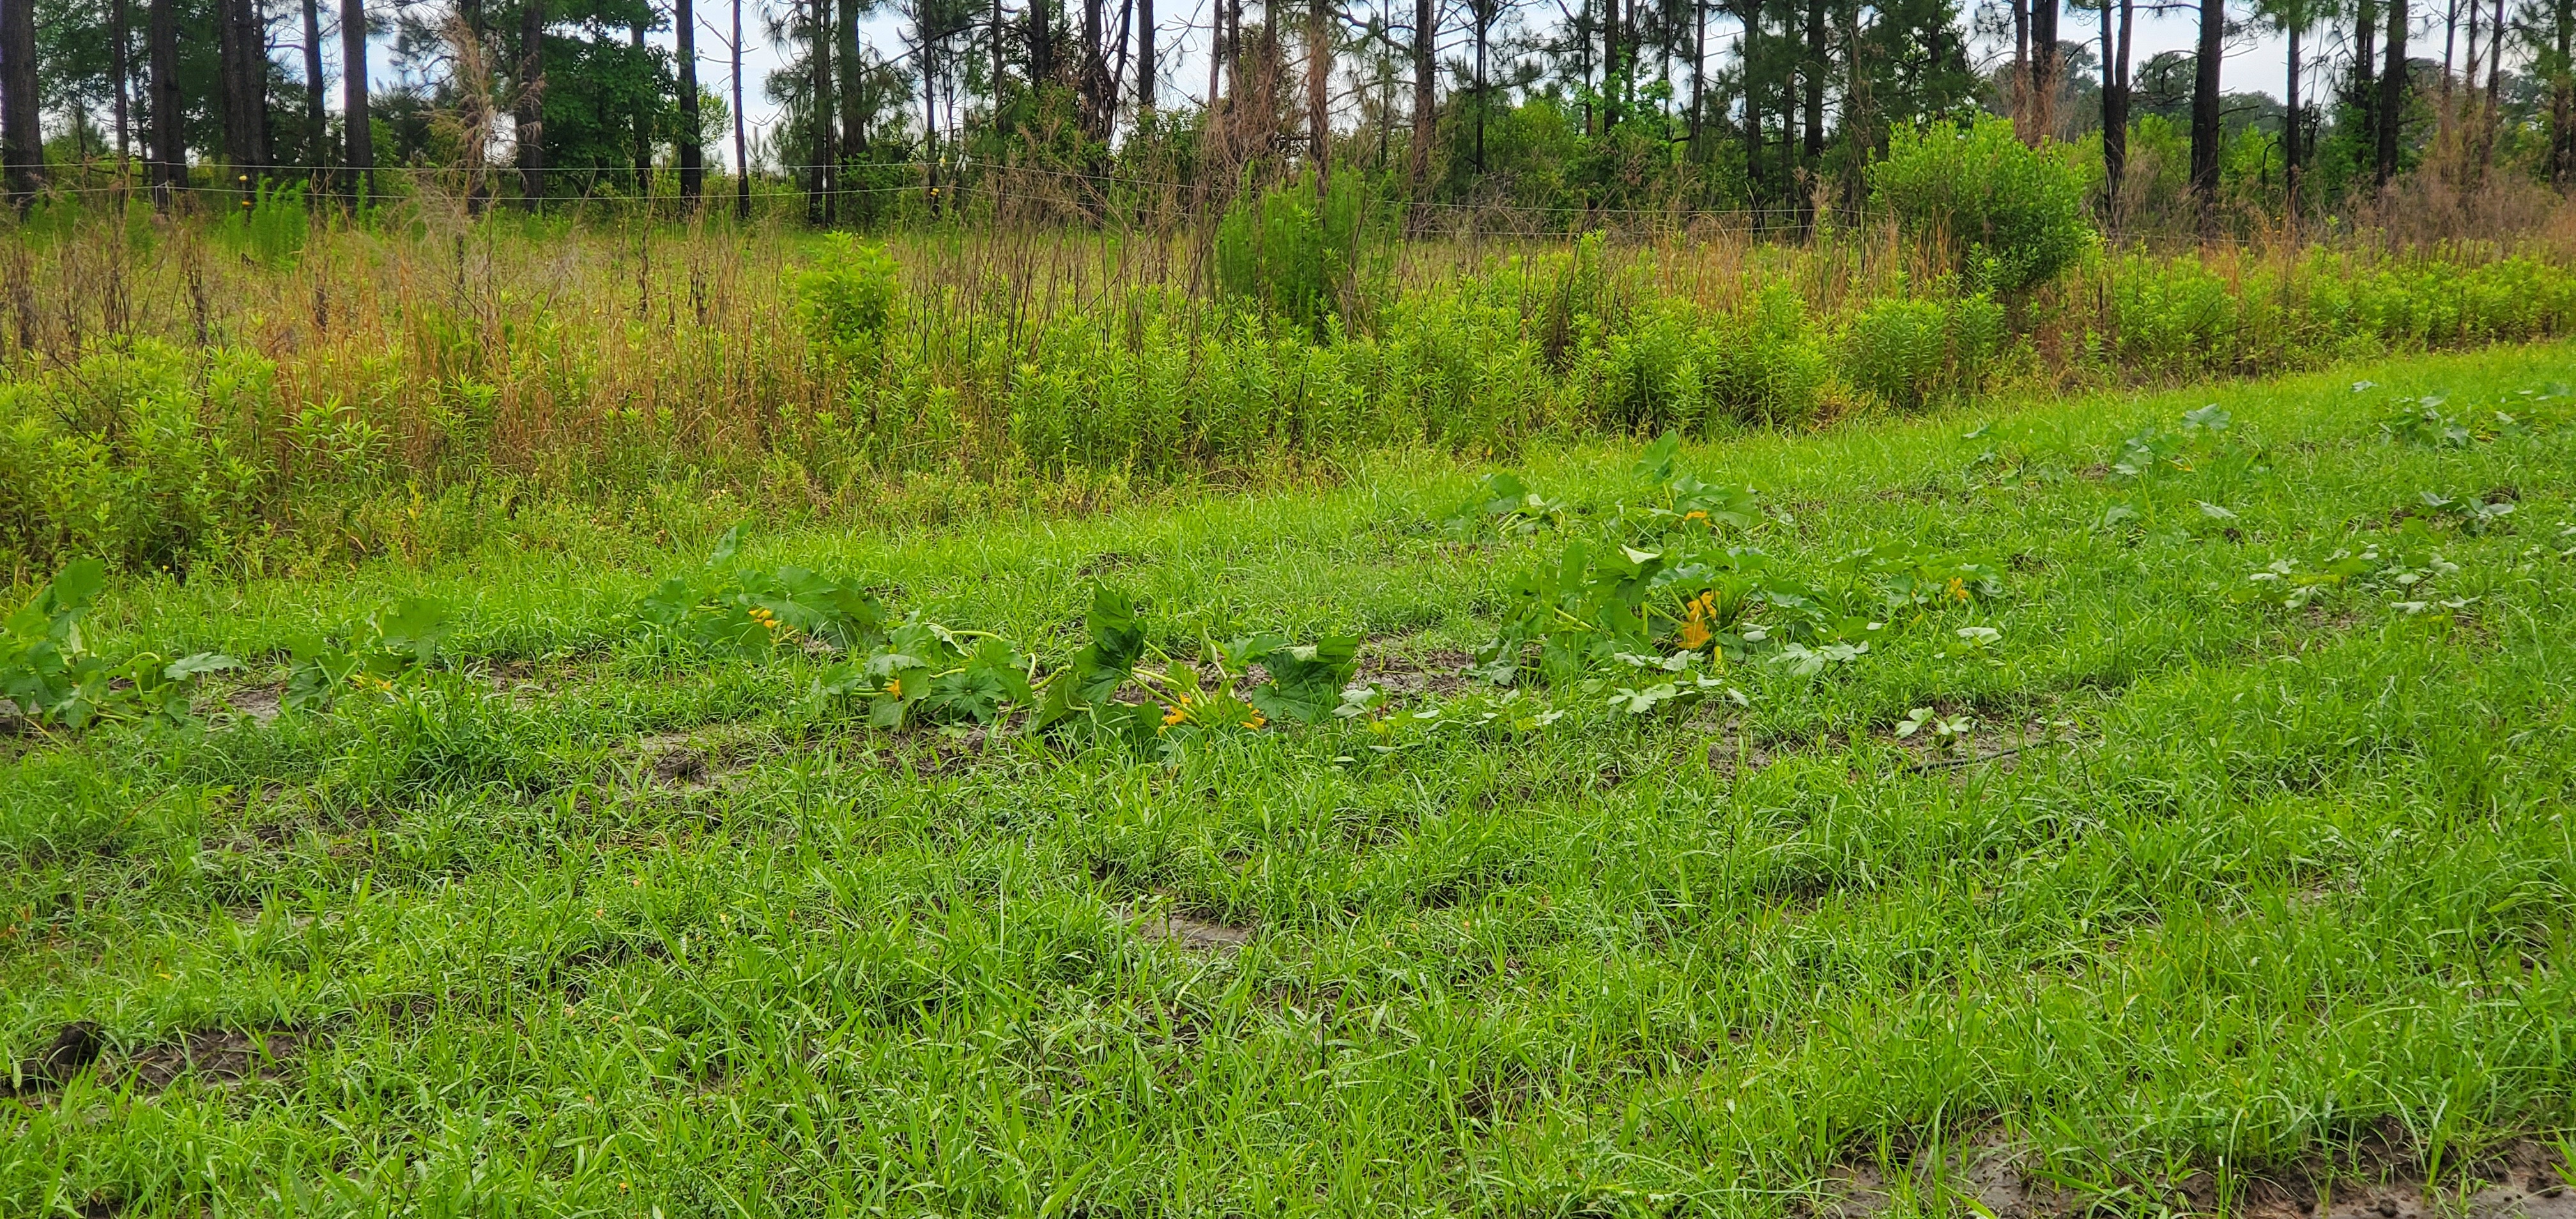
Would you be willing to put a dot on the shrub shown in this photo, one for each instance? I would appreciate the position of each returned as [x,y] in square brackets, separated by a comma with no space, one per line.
[1913,352]
[2007,216]
[272,225]
[1674,365]
[849,296]
[146,457]
[1290,253]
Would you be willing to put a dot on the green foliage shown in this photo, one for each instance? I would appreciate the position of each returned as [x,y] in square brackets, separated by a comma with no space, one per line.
[1944,876]
[923,673]
[48,669]
[849,294]
[2008,216]
[147,456]
[157,454]
[1504,502]
[725,607]
[1672,364]
[1675,597]
[2184,317]
[2408,572]
[1304,682]
[374,655]
[1912,353]
[1292,254]
[272,226]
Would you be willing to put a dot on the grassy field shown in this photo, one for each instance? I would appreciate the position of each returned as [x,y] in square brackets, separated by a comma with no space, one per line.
[2225,865]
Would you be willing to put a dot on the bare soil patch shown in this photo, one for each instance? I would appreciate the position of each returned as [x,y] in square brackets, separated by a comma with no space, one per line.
[2523,1181]
[1439,671]
[696,760]
[217,1056]
[1182,931]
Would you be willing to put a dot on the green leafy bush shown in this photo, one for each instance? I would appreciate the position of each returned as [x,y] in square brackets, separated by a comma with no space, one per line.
[1305,681]
[2008,216]
[146,456]
[372,655]
[271,226]
[849,295]
[923,673]
[1913,352]
[1680,599]
[1292,254]
[724,607]
[1676,365]
[2182,317]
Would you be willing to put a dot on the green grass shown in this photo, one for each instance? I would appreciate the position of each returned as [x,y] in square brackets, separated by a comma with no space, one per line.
[2262,885]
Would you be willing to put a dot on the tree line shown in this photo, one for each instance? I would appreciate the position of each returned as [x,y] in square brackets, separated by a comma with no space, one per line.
[1070,108]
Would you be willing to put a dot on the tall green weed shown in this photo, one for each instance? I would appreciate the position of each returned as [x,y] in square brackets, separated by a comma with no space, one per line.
[2008,216]
[151,453]
[1294,251]
[151,456]
[272,226]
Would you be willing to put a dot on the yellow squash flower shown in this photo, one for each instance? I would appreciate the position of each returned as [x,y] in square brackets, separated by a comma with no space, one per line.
[1696,631]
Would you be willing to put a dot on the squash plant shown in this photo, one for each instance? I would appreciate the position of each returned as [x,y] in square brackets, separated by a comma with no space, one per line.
[49,671]
[371,654]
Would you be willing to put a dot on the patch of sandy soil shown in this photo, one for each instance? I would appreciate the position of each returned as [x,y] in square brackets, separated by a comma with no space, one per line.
[2526,1180]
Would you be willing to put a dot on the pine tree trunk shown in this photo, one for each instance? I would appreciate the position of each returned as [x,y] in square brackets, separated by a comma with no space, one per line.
[358,121]
[1319,75]
[1814,70]
[853,139]
[818,175]
[2562,93]
[2392,95]
[1482,29]
[2495,81]
[1750,13]
[1042,47]
[2290,134]
[1609,64]
[2204,113]
[119,35]
[317,126]
[741,144]
[1089,87]
[169,141]
[1424,38]
[930,125]
[1699,74]
[22,141]
[1144,59]
[693,168]
[642,121]
[242,54]
[530,116]
[2044,75]
[2019,98]
[2115,104]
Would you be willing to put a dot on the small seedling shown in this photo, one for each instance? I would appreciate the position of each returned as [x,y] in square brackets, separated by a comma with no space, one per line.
[1948,732]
